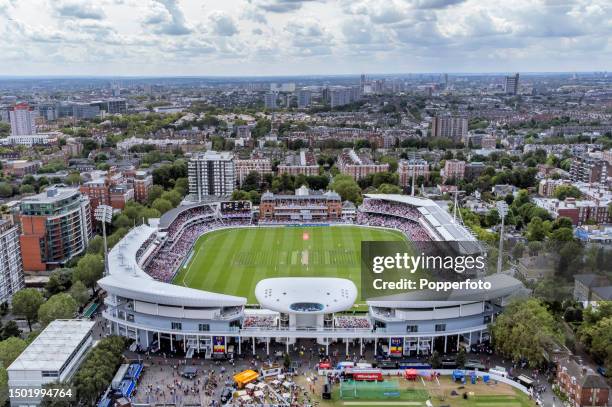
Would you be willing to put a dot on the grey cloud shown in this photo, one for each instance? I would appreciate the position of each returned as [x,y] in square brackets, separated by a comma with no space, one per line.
[280,6]
[83,10]
[222,24]
[434,4]
[169,19]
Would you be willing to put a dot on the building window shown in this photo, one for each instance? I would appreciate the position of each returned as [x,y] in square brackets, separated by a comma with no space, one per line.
[49,373]
[203,327]
[440,327]
[412,328]
[177,326]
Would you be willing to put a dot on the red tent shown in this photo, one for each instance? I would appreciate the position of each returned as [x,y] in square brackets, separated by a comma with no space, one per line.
[411,374]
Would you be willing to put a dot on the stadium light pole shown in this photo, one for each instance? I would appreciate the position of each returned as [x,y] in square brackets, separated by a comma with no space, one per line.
[502,208]
[104,214]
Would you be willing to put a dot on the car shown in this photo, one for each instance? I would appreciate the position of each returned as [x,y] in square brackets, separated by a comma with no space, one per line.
[226,394]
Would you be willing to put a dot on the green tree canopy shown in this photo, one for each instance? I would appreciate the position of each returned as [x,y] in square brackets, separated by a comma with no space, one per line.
[162,205]
[524,330]
[59,281]
[59,306]
[566,191]
[80,293]
[26,303]
[98,369]
[89,269]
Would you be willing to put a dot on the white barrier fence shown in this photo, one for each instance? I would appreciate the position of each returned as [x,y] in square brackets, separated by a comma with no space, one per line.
[443,372]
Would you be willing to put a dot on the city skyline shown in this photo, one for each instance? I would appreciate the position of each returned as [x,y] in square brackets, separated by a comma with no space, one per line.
[293,37]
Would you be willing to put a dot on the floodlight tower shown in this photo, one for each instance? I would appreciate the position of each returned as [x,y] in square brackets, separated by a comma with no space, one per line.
[502,208]
[104,214]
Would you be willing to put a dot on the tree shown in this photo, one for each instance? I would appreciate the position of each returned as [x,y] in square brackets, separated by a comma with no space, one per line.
[26,303]
[347,188]
[59,281]
[96,245]
[173,196]
[60,306]
[565,191]
[74,178]
[98,369]
[155,192]
[121,221]
[26,189]
[434,360]
[535,230]
[4,397]
[10,329]
[525,330]
[517,250]
[562,222]
[11,348]
[389,189]
[162,205]
[461,357]
[562,235]
[252,181]
[596,331]
[317,182]
[492,217]
[182,186]
[79,292]
[89,269]
[6,190]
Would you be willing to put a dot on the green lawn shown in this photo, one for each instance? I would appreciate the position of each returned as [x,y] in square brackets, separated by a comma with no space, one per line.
[233,261]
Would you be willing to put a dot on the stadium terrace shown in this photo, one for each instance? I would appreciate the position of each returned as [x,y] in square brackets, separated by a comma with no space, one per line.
[146,301]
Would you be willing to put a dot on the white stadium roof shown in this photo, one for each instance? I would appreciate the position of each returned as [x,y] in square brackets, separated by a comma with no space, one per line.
[306,295]
[437,218]
[126,278]
[502,285]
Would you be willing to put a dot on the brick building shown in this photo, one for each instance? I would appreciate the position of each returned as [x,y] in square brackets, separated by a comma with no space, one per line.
[305,205]
[56,226]
[303,162]
[142,182]
[358,165]
[454,169]
[590,169]
[244,167]
[413,167]
[583,386]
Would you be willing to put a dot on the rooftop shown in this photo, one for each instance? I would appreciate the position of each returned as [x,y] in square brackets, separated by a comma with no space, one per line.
[54,346]
[585,376]
[51,194]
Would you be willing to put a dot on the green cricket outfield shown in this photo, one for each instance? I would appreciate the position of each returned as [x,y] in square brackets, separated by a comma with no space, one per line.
[233,261]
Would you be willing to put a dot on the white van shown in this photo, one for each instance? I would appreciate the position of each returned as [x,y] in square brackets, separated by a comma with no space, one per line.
[499,370]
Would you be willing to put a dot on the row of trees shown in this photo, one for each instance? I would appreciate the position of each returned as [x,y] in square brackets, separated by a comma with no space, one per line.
[31,304]
[595,333]
[98,369]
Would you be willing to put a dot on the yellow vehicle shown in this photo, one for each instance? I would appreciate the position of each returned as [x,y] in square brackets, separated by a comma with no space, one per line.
[245,377]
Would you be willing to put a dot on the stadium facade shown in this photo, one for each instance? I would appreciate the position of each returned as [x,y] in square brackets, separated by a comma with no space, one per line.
[143,304]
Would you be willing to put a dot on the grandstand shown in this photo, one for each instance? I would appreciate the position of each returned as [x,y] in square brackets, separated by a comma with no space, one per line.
[142,303]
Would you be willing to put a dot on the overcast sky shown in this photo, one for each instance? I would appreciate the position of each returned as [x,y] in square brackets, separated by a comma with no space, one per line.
[295,37]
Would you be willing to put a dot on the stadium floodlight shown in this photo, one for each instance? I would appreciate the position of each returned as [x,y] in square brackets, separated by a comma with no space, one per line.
[502,209]
[104,214]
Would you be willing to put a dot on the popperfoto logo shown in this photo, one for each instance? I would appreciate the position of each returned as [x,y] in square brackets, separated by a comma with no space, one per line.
[431,270]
